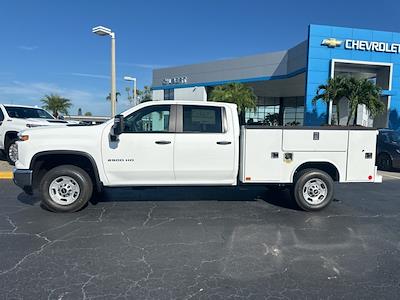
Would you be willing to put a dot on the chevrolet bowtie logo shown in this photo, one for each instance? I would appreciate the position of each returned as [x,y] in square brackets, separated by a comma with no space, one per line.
[331,43]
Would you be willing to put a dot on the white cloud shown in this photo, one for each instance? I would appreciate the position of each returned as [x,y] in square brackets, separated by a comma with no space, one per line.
[28,48]
[143,66]
[90,75]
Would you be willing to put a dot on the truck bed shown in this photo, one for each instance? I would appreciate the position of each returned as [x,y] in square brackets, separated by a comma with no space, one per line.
[274,154]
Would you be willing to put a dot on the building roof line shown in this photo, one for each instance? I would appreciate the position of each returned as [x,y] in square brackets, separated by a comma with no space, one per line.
[241,80]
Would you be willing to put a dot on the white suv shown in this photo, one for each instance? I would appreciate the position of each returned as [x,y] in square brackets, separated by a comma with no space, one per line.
[14,118]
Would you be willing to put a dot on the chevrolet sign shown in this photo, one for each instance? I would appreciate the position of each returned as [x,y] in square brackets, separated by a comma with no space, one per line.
[372,46]
[331,42]
[362,45]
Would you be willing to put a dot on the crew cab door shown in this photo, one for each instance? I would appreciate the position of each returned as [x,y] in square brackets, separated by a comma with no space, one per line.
[204,146]
[143,155]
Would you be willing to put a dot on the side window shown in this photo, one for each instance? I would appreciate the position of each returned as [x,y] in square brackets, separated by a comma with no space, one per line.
[169,94]
[384,137]
[206,119]
[148,119]
[1,116]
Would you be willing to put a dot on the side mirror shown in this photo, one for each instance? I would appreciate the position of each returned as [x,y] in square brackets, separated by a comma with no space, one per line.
[117,128]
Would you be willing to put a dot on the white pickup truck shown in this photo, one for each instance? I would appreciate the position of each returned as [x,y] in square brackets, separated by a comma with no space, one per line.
[178,143]
[14,118]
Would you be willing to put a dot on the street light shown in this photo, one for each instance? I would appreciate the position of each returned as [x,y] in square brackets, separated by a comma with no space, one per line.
[101,30]
[128,78]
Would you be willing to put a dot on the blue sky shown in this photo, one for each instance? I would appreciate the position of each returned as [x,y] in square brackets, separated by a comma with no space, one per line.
[47,46]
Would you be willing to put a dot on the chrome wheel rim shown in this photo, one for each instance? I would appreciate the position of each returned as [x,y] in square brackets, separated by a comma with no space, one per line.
[64,190]
[315,191]
[13,152]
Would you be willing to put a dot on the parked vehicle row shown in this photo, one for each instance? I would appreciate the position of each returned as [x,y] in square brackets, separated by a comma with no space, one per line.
[164,143]
[388,150]
[15,118]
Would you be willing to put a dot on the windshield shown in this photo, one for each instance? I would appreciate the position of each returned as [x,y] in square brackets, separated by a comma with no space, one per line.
[27,112]
[395,137]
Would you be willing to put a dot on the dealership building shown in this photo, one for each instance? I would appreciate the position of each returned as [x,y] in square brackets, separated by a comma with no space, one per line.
[285,82]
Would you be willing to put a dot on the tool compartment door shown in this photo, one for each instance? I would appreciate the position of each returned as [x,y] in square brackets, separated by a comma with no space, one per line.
[361,155]
[261,155]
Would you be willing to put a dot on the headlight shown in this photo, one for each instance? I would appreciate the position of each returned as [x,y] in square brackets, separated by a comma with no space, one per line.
[33,125]
[23,137]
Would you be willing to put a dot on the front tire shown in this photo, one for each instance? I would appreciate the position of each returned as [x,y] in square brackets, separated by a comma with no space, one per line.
[384,162]
[66,188]
[11,151]
[313,189]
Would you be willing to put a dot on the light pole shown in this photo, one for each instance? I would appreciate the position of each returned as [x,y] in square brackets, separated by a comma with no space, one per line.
[128,78]
[101,30]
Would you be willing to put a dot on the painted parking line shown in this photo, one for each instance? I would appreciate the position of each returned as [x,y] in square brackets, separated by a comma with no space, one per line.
[390,176]
[6,175]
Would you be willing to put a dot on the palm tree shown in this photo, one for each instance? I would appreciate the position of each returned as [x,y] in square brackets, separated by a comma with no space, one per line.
[357,91]
[243,96]
[56,104]
[370,97]
[363,91]
[146,94]
[333,90]
[117,94]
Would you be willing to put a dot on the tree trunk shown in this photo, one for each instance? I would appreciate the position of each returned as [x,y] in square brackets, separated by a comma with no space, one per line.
[355,116]
[337,113]
[349,117]
[242,118]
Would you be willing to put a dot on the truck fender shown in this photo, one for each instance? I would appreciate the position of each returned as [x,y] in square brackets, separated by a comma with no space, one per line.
[96,180]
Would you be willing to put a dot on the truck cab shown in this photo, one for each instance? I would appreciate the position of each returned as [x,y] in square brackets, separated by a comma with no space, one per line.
[169,143]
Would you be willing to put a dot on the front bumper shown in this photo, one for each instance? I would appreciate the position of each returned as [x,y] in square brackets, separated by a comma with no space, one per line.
[23,178]
[377,177]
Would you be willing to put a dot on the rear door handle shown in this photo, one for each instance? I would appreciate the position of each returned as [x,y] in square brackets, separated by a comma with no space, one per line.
[224,143]
[163,142]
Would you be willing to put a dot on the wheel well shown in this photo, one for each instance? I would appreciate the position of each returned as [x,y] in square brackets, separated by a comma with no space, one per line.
[42,162]
[384,153]
[9,136]
[323,166]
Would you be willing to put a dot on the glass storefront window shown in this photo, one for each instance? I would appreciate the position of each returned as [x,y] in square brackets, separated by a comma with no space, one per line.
[293,114]
[275,111]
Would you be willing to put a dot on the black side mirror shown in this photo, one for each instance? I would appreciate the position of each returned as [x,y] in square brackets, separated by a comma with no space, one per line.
[117,128]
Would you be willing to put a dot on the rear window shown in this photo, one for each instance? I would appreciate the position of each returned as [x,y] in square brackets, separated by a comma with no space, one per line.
[204,119]
[1,115]
[27,112]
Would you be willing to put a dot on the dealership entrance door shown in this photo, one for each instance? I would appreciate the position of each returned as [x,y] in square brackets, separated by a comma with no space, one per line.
[378,73]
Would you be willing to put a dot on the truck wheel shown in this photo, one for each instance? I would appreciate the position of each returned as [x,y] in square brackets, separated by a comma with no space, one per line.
[313,189]
[66,188]
[384,162]
[11,151]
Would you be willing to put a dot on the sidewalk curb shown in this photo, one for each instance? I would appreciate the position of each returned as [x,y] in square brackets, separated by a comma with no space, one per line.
[6,175]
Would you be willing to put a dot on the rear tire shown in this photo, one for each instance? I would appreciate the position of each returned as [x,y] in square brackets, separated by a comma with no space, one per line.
[313,189]
[11,151]
[66,188]
[384,162]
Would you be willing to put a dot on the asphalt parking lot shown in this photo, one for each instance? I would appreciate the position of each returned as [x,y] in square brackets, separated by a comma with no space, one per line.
[203,243]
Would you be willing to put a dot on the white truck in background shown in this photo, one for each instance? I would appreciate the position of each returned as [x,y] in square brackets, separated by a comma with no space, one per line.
[15,118]
[181,143]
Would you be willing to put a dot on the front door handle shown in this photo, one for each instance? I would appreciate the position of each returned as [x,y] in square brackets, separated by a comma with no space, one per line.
[224,143]
[163,142]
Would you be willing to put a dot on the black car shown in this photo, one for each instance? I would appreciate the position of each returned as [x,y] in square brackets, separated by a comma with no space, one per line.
[388,149]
